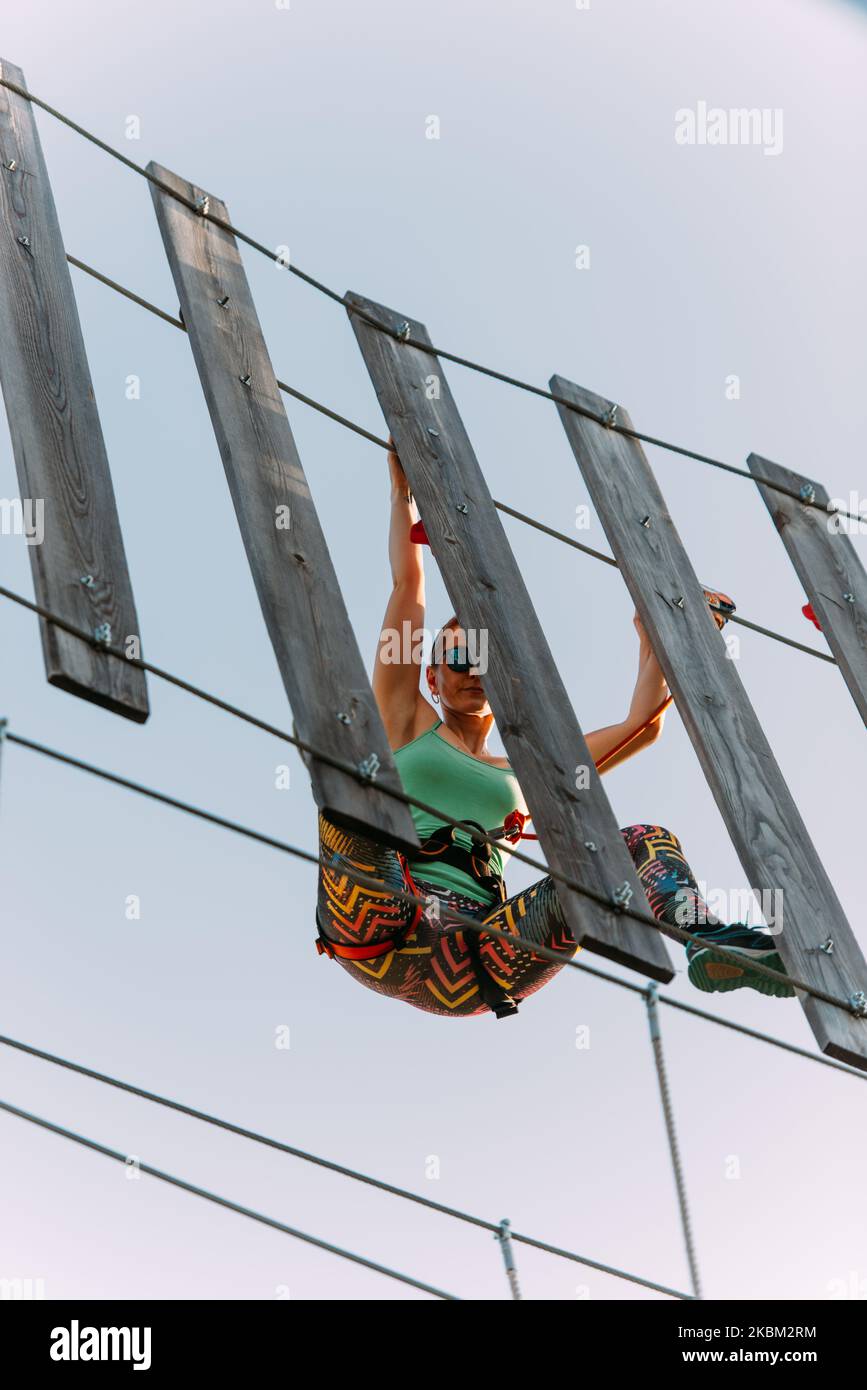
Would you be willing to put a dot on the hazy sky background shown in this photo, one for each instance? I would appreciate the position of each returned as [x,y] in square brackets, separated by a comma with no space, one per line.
[557,129]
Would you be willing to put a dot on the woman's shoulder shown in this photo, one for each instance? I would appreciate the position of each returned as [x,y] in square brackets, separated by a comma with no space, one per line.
[424,719]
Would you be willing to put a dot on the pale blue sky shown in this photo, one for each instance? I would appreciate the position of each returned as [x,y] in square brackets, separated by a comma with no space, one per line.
[557,129]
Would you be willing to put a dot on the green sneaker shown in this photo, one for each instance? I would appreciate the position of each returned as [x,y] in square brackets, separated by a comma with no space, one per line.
[710,972]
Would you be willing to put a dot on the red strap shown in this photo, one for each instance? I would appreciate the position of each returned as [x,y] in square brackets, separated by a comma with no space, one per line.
[337,948]
[660,709]
[418,534]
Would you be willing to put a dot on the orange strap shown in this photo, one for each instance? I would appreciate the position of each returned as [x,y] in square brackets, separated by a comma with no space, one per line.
[625,742]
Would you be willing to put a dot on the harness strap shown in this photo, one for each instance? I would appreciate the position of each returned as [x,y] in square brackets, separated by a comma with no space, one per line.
[498,1000]
[476,860]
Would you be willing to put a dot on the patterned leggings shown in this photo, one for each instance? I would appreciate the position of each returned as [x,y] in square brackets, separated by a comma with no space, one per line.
[434,970]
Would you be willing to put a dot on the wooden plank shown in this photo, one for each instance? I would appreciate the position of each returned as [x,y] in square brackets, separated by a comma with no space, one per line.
[828,567]
[301,602]
[533,712]
[756,805]
[79,567]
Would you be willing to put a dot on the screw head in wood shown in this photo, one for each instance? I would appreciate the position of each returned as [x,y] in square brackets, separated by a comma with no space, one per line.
[246,380]
[344,717]
[87,581]
[678,602]
[24,241]
[462,507]
[645,521]
[435,433]
[588,844]
[12,165]
[850,598]
[223,302]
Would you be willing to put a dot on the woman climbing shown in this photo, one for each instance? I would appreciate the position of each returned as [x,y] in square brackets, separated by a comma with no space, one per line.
[418,955]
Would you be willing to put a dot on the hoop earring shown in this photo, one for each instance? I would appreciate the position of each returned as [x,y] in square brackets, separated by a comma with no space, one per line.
[435,698]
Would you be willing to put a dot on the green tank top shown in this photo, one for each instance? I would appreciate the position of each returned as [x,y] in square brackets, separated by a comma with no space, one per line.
[465,788]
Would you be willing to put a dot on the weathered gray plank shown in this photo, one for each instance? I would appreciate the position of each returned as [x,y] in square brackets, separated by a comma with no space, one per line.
[757,807]
[532,709]
[828,567]
[301,602]
[79,568]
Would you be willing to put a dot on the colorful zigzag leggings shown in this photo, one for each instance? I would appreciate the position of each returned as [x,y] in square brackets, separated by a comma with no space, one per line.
[434,970]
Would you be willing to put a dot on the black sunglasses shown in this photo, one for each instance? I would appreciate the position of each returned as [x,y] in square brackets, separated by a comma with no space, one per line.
[458,659]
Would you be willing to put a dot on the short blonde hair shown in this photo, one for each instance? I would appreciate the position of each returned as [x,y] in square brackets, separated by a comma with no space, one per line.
[439,640]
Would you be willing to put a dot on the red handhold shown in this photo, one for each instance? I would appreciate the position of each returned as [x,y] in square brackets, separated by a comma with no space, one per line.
[418,534]
[807,611]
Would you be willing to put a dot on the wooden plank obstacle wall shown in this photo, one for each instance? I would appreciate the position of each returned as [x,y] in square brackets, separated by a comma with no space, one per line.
[80,572]
[572,816]
[754,800]
[78,562]
[301,602]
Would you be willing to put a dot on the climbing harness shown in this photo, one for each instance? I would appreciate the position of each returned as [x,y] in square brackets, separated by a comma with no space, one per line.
[475,861]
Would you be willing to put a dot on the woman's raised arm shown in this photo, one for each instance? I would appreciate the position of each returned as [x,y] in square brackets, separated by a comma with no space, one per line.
[650,691]
[396,671]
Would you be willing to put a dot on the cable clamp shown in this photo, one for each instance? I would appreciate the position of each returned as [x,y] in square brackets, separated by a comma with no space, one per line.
[622,896]
[403,329]
[858,1004]
[203,205]
[369,767]
[610,419]
[102,634]
[807,492]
